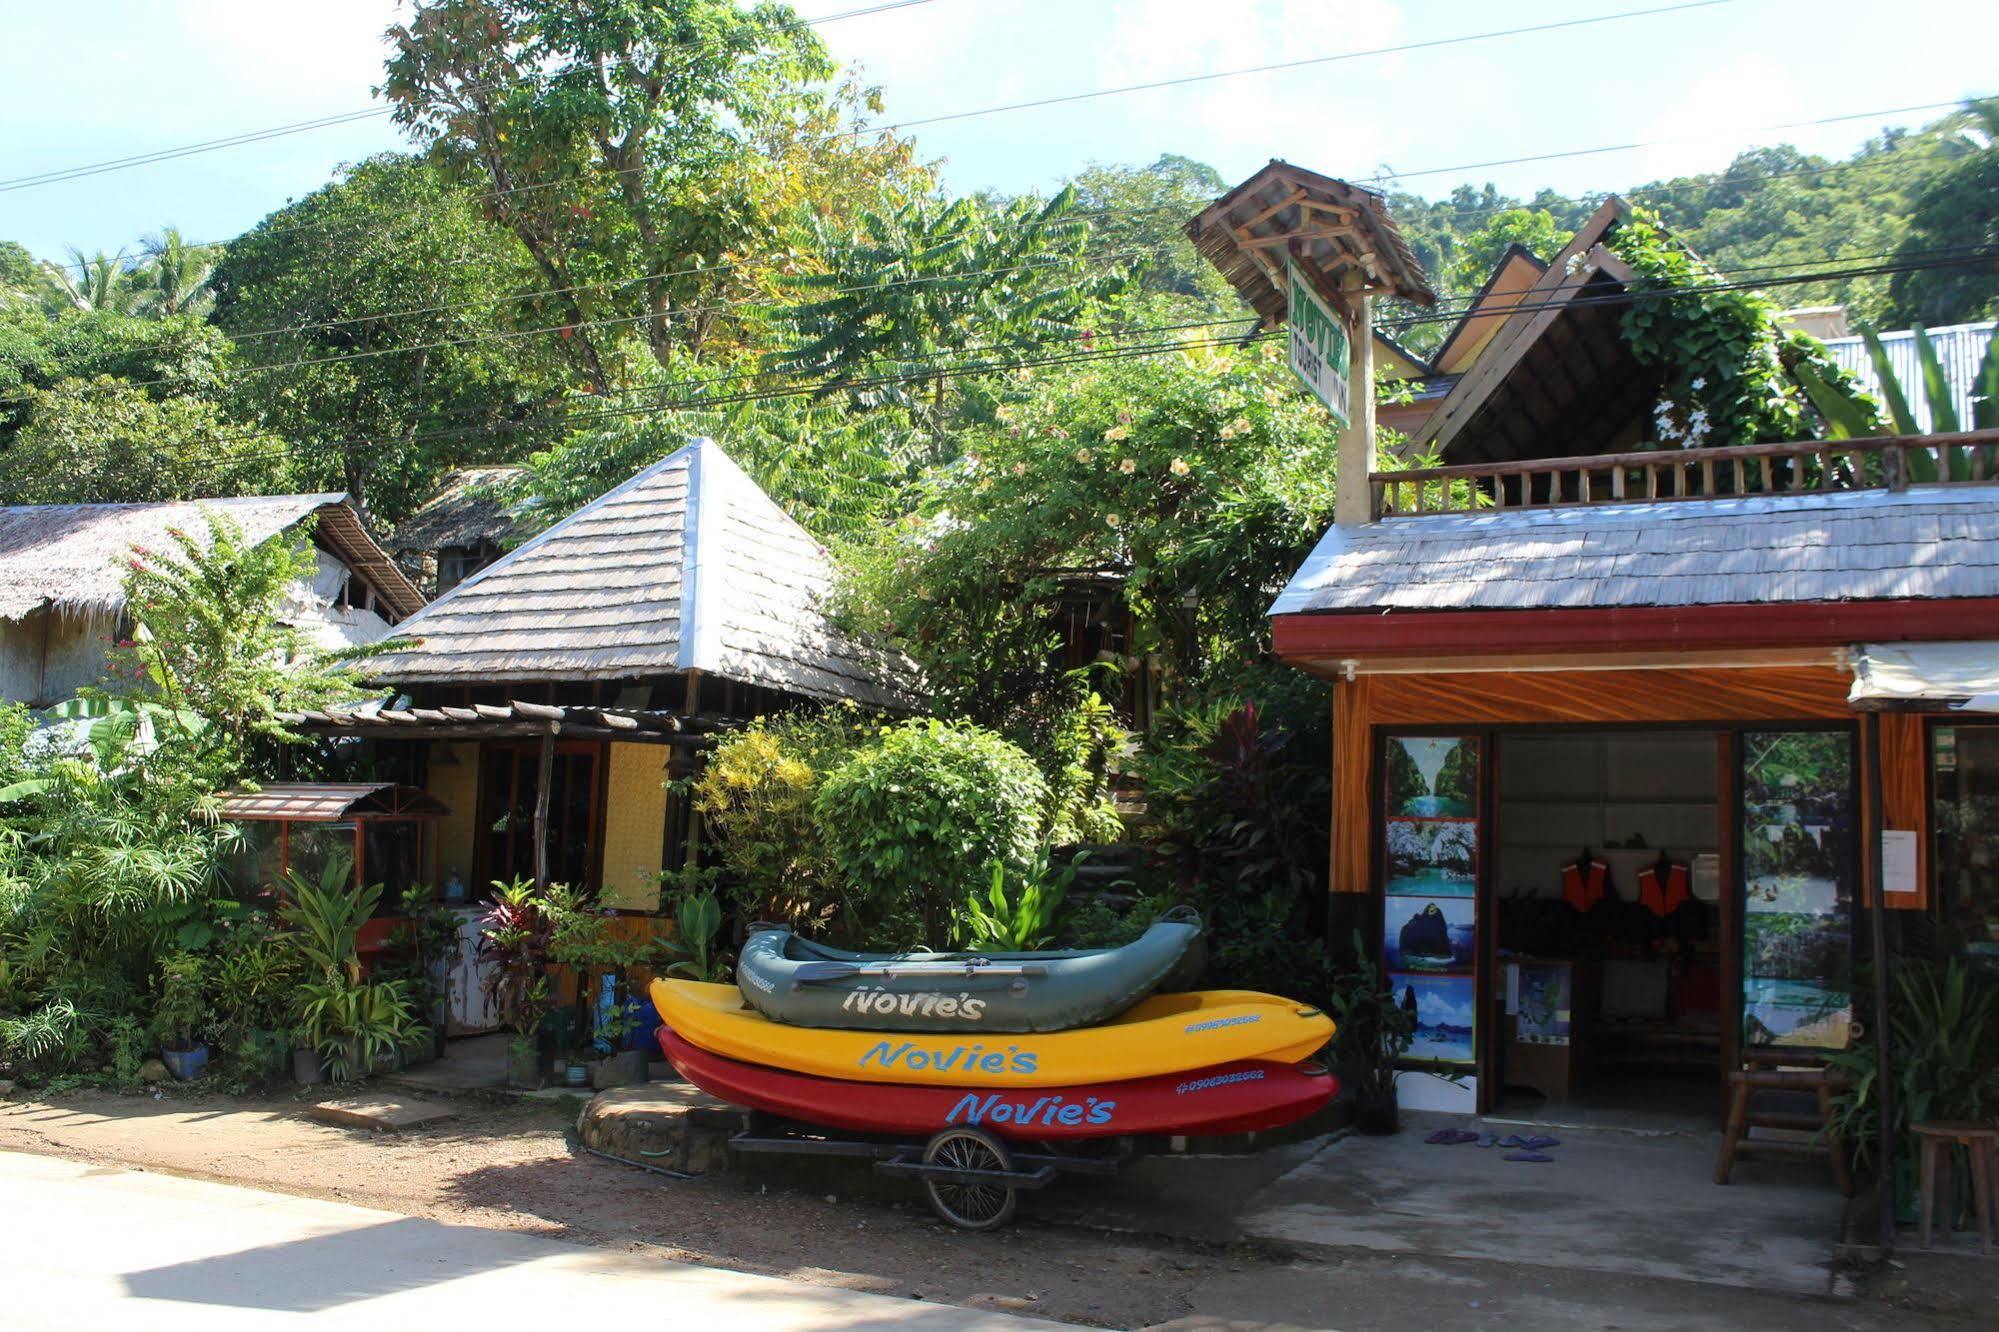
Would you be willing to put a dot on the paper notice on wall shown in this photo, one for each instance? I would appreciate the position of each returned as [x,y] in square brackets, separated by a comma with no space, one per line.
[1898,861]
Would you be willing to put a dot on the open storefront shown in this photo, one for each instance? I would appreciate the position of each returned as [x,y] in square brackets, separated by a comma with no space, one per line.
[1593,921]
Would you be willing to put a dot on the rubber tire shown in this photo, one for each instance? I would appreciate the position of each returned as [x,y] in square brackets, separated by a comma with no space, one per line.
[971,1149]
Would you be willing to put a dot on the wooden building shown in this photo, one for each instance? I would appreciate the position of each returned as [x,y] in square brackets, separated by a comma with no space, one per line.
[546,700]
[1639,752]
[63,566]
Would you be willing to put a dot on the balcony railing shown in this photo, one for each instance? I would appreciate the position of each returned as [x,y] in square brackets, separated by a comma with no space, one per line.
[1889,462]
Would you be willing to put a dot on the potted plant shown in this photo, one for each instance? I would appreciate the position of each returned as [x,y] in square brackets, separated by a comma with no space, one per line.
[177,1013]
[514,938]
[425,946]
[1374,1032]
[592,946]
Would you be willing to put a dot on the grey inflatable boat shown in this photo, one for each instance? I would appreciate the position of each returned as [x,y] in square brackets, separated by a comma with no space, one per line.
[806,984]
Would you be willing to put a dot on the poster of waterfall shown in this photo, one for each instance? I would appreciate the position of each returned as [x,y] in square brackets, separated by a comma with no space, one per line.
[1433,777]
[1797,852]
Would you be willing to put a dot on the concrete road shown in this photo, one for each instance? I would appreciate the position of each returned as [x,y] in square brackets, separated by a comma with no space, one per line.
[100,1248]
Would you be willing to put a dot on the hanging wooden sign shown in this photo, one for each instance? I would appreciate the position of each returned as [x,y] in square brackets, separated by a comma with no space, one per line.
[1320,349]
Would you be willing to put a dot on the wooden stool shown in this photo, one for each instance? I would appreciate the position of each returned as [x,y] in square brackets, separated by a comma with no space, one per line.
[1981,1145]
[1764,1075]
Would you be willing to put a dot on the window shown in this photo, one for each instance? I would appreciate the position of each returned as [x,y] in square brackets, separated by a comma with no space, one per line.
[1964,787]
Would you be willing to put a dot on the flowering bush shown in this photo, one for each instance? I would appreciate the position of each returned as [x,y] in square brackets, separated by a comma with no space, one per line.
[1196,482]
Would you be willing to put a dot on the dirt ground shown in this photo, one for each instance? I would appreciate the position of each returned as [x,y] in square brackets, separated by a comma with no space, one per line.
[1143,1254]
[511,1166]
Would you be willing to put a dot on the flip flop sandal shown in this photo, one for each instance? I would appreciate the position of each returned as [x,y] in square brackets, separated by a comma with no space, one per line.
[1537,1144]
[1513,1140]
[1488,1140]
[1526,1156]
[1450,1137]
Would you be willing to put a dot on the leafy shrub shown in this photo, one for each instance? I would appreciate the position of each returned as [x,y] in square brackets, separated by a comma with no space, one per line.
[1239,792]
[1079,751]
[179,1010]
[1021,921]
[757,792]
[913,821]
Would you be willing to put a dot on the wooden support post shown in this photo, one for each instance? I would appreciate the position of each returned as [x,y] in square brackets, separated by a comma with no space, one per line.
[545,778]
[1352,496]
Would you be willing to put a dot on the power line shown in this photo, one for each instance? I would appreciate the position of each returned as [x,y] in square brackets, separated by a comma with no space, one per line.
[891,127]
[1660,143]
[1442,311]
[1307,62]
[346,117]
[950,371]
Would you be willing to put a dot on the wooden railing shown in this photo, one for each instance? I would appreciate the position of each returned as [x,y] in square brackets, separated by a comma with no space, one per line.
[1888,462]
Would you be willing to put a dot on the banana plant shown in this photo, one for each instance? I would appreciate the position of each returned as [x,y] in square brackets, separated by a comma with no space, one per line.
[1944,420]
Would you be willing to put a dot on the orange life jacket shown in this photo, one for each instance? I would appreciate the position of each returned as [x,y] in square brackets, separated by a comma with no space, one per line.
[1585,884]
[1663,896]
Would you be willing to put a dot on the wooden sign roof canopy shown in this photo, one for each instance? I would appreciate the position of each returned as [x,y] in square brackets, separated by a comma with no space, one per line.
[1331,228]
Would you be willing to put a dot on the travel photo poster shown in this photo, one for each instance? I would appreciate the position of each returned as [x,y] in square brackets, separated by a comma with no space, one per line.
[1797,851]
[1445,1008]
[1430,934]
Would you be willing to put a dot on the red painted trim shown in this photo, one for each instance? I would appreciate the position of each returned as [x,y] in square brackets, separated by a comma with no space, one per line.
[1794,624]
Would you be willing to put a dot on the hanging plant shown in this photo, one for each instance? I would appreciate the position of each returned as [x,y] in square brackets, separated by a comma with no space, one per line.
[1733,375]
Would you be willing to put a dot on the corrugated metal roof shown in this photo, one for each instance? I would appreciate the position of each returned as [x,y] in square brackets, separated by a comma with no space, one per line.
[1960,348]
[1859,545]
[686,566]
[325,802]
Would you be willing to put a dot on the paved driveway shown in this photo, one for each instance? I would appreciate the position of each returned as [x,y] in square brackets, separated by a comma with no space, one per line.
[102,1248]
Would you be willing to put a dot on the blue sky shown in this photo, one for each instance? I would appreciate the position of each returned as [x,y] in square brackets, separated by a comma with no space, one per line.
[121,77]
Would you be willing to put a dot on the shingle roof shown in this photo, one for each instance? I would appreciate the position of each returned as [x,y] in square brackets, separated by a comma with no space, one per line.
[73,556]
[686,566]
[1860,545]
[466,509]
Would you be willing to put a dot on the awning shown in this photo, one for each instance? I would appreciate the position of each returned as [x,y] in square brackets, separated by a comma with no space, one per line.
[1926,677]
[327,802]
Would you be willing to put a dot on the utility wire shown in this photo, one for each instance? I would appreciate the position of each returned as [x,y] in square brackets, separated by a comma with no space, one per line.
[348,117]
[954,370]
[1443,309]
[891,127]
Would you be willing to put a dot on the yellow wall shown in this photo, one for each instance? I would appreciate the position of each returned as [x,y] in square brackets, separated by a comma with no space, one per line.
[634,826]
[456,785]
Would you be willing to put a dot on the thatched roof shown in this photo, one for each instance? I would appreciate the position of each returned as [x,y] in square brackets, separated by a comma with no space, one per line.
[1330,227]
[688,566]
[74,557]
[466,510]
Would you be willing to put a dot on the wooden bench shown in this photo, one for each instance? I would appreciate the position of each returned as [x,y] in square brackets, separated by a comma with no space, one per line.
[1784,1071]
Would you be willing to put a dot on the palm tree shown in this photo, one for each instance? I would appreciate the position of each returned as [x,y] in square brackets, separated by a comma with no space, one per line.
[174,279]
[90,282]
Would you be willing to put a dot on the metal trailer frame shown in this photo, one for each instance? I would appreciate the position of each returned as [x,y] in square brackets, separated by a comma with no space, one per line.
[971,1178]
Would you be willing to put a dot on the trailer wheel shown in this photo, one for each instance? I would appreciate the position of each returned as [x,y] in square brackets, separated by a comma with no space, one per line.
[969,1206]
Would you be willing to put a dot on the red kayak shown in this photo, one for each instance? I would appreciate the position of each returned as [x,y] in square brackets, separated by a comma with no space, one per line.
[1228,1098]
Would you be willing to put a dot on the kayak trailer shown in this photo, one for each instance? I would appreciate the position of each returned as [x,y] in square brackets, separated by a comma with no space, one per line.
[971,1178]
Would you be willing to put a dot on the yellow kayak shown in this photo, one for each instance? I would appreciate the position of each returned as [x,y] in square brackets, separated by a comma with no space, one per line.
[1168,1033]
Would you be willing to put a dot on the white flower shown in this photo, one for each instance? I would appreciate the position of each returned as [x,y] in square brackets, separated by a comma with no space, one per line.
[1699,383]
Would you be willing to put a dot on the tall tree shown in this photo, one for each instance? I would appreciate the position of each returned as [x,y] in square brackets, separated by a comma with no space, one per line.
[638,149]
[889,297]
[173,279]
[1956,213]
[1138,216]
[375,327]
[90,282]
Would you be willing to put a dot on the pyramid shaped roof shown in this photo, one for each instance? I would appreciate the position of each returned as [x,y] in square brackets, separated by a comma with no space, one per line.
[687,566]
